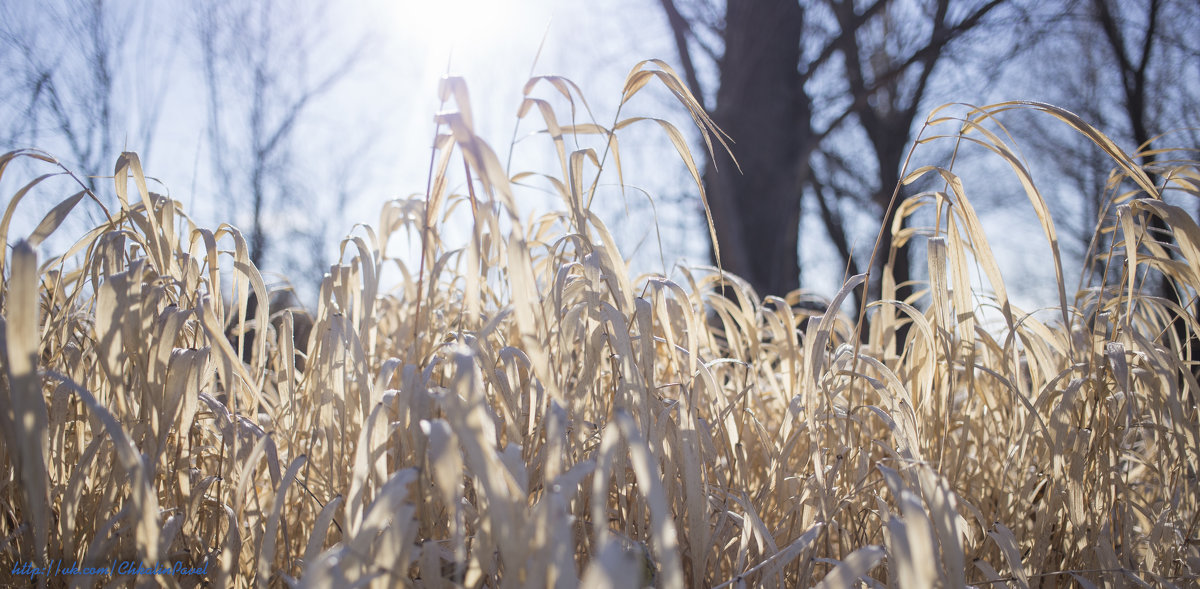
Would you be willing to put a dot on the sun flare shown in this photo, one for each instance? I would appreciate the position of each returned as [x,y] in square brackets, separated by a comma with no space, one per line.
[467,34]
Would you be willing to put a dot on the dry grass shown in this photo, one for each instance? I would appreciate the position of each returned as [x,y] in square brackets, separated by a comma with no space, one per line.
[520,411]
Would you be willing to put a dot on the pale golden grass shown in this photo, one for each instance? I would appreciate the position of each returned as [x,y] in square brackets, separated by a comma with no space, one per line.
[520,411]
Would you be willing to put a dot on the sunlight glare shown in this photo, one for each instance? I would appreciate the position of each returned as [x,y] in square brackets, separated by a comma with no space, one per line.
[466,33]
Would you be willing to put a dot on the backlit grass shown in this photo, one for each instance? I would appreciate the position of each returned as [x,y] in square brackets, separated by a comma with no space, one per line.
[520,410]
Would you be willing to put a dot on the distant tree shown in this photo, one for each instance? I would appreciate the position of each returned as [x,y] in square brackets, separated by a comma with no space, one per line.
[265,66]
[796,80]
[76,79]
[1085,88]
[86,79]
[761,104]
[1135,74]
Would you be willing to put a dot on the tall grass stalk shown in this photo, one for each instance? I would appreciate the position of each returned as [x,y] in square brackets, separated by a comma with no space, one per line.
[522,411]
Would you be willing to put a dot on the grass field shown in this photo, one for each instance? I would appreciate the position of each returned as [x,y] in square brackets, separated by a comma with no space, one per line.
[521,411]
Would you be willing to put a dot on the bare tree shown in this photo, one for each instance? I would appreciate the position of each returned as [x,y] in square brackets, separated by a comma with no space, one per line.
[77,79]
[1082,168]
[761,104]
[796,80]
[1136,74]
[888,67]
[265,66]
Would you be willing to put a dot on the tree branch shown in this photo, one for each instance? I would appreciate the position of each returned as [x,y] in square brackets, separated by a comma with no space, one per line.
[835,226]
[830,48]
[681,31]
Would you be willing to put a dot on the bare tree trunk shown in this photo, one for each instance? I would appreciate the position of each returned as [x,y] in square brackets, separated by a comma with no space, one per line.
[901,262]
[762,106]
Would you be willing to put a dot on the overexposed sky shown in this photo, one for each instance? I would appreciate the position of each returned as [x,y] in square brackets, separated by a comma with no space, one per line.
[368,139]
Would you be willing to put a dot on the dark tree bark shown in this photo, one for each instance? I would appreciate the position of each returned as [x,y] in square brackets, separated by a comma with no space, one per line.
[887,89]
[763,104]
[763,108]
[1132,67]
